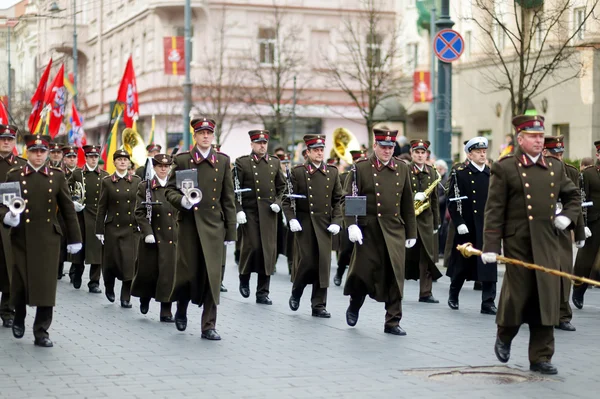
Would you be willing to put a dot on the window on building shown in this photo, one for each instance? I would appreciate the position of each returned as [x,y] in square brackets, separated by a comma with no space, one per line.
[498,21]
[149,51]
[374,42]
[539,33]
[267,46]
[412,56]
[579,22]
[115,67]
[468,44]
[105,75]
[468,9]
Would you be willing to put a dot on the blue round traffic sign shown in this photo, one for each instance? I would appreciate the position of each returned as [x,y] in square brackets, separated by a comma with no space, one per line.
[448,45]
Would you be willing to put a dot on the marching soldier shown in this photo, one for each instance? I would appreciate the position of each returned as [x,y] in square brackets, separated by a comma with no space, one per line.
[285,239]
[152,150]
[520,217]
[586,263]
[420,264]
[56,155]
[203,227]
[346,247]
[313,219]
[471,181]
[377,265]
[158,242]
[36,238]
[117,229]
[69,160]
[90,177]
[8,139]
[257,211]
[555,147]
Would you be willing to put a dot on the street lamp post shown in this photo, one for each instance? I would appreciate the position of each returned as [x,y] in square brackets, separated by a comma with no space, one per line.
[75,52]
[443,98]
[9,101]
[187,84]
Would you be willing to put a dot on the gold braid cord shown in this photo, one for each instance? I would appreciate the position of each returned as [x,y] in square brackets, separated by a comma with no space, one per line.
[467,250]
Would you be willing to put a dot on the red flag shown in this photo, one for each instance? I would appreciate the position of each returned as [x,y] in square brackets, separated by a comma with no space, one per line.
[421,89]
[3,114]
[78,136]
[56,96]
[38,99]
[128,95]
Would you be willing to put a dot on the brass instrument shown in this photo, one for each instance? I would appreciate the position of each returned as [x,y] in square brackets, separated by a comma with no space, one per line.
[194,195]
[421,206]
[77,191]
[343,143]
[134,144]
[16,205]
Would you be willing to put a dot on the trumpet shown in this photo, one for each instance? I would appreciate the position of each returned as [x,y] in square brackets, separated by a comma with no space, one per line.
[194,195]
[16,205]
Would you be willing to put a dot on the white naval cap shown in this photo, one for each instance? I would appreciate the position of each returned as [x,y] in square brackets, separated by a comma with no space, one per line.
[476,143]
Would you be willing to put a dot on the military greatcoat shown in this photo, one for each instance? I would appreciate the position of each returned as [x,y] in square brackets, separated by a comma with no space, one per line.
[427,221]
[116,220]
[389,222]
[36,240]
[587,257]
[258,251]
[92,247]
[320,208]
[519,218]
[6,258]
[155,271]
[204,227]
[472,183]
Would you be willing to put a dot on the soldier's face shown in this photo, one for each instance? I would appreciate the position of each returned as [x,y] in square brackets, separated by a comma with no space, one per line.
[121,164]
[383,152]
[71,161]
[37,157]
[479,156]
[204,139]
[92,161]
[6,145]
[419,156]
[532,144]
[162,171]
[56,156]
[316,154]
[259,148]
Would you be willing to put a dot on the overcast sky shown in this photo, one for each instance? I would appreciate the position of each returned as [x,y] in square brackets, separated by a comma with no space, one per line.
[7,3]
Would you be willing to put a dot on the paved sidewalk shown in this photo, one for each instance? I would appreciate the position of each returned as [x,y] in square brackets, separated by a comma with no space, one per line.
[102,350]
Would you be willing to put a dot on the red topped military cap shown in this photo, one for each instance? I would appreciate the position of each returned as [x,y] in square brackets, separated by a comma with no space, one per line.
[358,154]
[90,149]
[8,131]
[314,140]
[555,144]
[55,147]
[153,147]
[259,135]
[69,150]
[419,145]
[533,124]
[385,137]
[37,142]
[200,124]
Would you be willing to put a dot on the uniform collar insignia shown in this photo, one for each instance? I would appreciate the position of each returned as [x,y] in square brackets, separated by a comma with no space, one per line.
[116,178]
[154,183]
[528,162]
[257,159]
[198,158]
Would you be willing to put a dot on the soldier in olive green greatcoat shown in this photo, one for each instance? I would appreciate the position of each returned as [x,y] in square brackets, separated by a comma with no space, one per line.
[313,219]
[380,237]
[35,238]
[117,229]
[203,227]
[8,160]
[521,219]
[257,209]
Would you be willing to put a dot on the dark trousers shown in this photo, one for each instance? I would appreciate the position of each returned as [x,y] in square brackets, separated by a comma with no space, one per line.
[7,312]
[425,278]
[566,313]
[262,285]
[393,305]
[165,307]
[541,341]
[488,291]
[318,297]
[95,273]
[209,310]
[43,314]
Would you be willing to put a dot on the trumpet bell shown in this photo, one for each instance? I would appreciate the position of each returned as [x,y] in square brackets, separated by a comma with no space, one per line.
[134,144]
[344,142]
[16,205]
[194,195]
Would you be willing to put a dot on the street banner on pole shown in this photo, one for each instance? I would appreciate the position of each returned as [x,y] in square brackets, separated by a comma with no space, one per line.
[174,55]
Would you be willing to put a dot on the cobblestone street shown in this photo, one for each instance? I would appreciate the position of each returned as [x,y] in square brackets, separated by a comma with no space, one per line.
[102,350]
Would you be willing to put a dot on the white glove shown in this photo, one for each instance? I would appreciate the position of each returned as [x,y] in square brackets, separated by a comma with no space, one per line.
[333,229]
[562,222]
[409,243]
[435,231]
[488,257]
[185,202]
[275,208]
[74,248]
[580,244]
[229,242]
[588,232]
[78,207]
[420,196]
[12,220]
[295,226]
[462,229]
[241,217]
[354,234]
[149,239]
[100,237]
